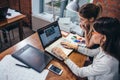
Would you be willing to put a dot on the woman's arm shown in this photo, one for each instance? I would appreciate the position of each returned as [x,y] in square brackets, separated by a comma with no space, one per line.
[88,52]
[91,70]
[83,50]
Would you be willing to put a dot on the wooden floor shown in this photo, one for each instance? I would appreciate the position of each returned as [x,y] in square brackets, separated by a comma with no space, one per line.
[27,32]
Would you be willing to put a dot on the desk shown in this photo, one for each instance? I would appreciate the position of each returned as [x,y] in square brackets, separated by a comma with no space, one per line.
[12,21]
[33,40]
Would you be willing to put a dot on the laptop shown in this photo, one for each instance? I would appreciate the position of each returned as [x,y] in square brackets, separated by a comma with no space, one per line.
[50,37]
[3,13]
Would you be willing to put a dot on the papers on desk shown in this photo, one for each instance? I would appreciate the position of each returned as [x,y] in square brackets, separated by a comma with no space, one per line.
[12,13]
[9,71]
[65,24]
[77,29]
[76,39]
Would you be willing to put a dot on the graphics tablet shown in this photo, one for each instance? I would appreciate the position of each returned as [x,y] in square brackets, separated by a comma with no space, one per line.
[33,57]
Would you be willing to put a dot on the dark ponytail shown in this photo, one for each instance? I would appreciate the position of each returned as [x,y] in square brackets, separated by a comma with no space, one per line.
[99,10]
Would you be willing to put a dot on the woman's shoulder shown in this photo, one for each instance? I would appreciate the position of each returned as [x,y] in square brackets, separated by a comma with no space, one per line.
[108,59]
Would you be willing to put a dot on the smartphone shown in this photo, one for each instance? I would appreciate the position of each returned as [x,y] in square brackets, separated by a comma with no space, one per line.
[55,69]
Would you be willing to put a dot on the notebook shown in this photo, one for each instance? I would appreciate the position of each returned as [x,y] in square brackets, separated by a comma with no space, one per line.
[3,13]
[50,36]
[33,57]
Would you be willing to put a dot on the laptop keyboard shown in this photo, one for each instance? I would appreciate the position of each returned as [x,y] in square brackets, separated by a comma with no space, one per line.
[57,44]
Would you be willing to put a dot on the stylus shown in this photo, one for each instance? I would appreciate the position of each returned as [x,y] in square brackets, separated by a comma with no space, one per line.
[23,66]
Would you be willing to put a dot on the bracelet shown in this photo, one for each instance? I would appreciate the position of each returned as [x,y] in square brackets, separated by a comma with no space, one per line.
[65,58]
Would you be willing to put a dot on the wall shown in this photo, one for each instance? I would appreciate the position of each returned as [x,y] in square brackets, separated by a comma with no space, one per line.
[14,5]
[4,3]
[24,7]
[110,7]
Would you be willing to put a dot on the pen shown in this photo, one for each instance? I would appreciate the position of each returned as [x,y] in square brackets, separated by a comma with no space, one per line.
[22,66]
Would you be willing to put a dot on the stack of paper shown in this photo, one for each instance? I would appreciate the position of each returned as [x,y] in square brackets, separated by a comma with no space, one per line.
[10,71]
[65,24]
[12,13]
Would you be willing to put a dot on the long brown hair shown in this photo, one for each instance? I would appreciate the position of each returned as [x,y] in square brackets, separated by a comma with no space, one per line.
[90,10]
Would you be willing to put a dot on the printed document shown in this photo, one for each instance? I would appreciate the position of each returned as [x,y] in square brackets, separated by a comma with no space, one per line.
[10,71]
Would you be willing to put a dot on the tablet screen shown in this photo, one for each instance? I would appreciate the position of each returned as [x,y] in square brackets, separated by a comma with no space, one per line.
[33,57]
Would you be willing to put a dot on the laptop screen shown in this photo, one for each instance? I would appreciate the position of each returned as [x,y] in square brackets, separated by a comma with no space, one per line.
[49,34]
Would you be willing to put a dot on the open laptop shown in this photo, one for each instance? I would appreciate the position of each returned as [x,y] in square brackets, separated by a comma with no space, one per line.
[51,37]
[3,13]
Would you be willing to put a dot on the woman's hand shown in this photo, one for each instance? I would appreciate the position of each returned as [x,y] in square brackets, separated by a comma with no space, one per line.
[69,45]
[59,52]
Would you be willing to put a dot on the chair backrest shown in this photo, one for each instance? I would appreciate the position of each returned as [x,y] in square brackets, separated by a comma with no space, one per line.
[0,40]
[3,12]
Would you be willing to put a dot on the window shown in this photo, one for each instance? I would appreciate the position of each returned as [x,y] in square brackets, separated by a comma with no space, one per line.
[52,6]
[56,7]
[44,10]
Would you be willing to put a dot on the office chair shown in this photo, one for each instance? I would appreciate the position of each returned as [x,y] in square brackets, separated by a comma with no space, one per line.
[0,41]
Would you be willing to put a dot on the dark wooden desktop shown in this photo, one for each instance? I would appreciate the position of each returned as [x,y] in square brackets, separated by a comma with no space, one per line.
[13,20]
[33,40]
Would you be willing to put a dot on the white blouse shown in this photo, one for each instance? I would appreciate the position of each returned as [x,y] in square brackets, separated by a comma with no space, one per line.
[104,66]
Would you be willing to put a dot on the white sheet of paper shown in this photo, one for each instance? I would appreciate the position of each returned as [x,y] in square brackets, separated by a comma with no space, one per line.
[13,13]
[9,71]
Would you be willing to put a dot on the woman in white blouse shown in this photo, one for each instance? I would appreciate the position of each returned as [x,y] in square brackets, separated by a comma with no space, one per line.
[105,64]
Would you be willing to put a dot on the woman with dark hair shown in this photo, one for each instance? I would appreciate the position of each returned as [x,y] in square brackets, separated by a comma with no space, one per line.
[105,66]
[110,28]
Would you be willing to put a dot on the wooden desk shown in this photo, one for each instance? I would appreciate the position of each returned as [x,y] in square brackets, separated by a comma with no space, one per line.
[33,40]
[13,21]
